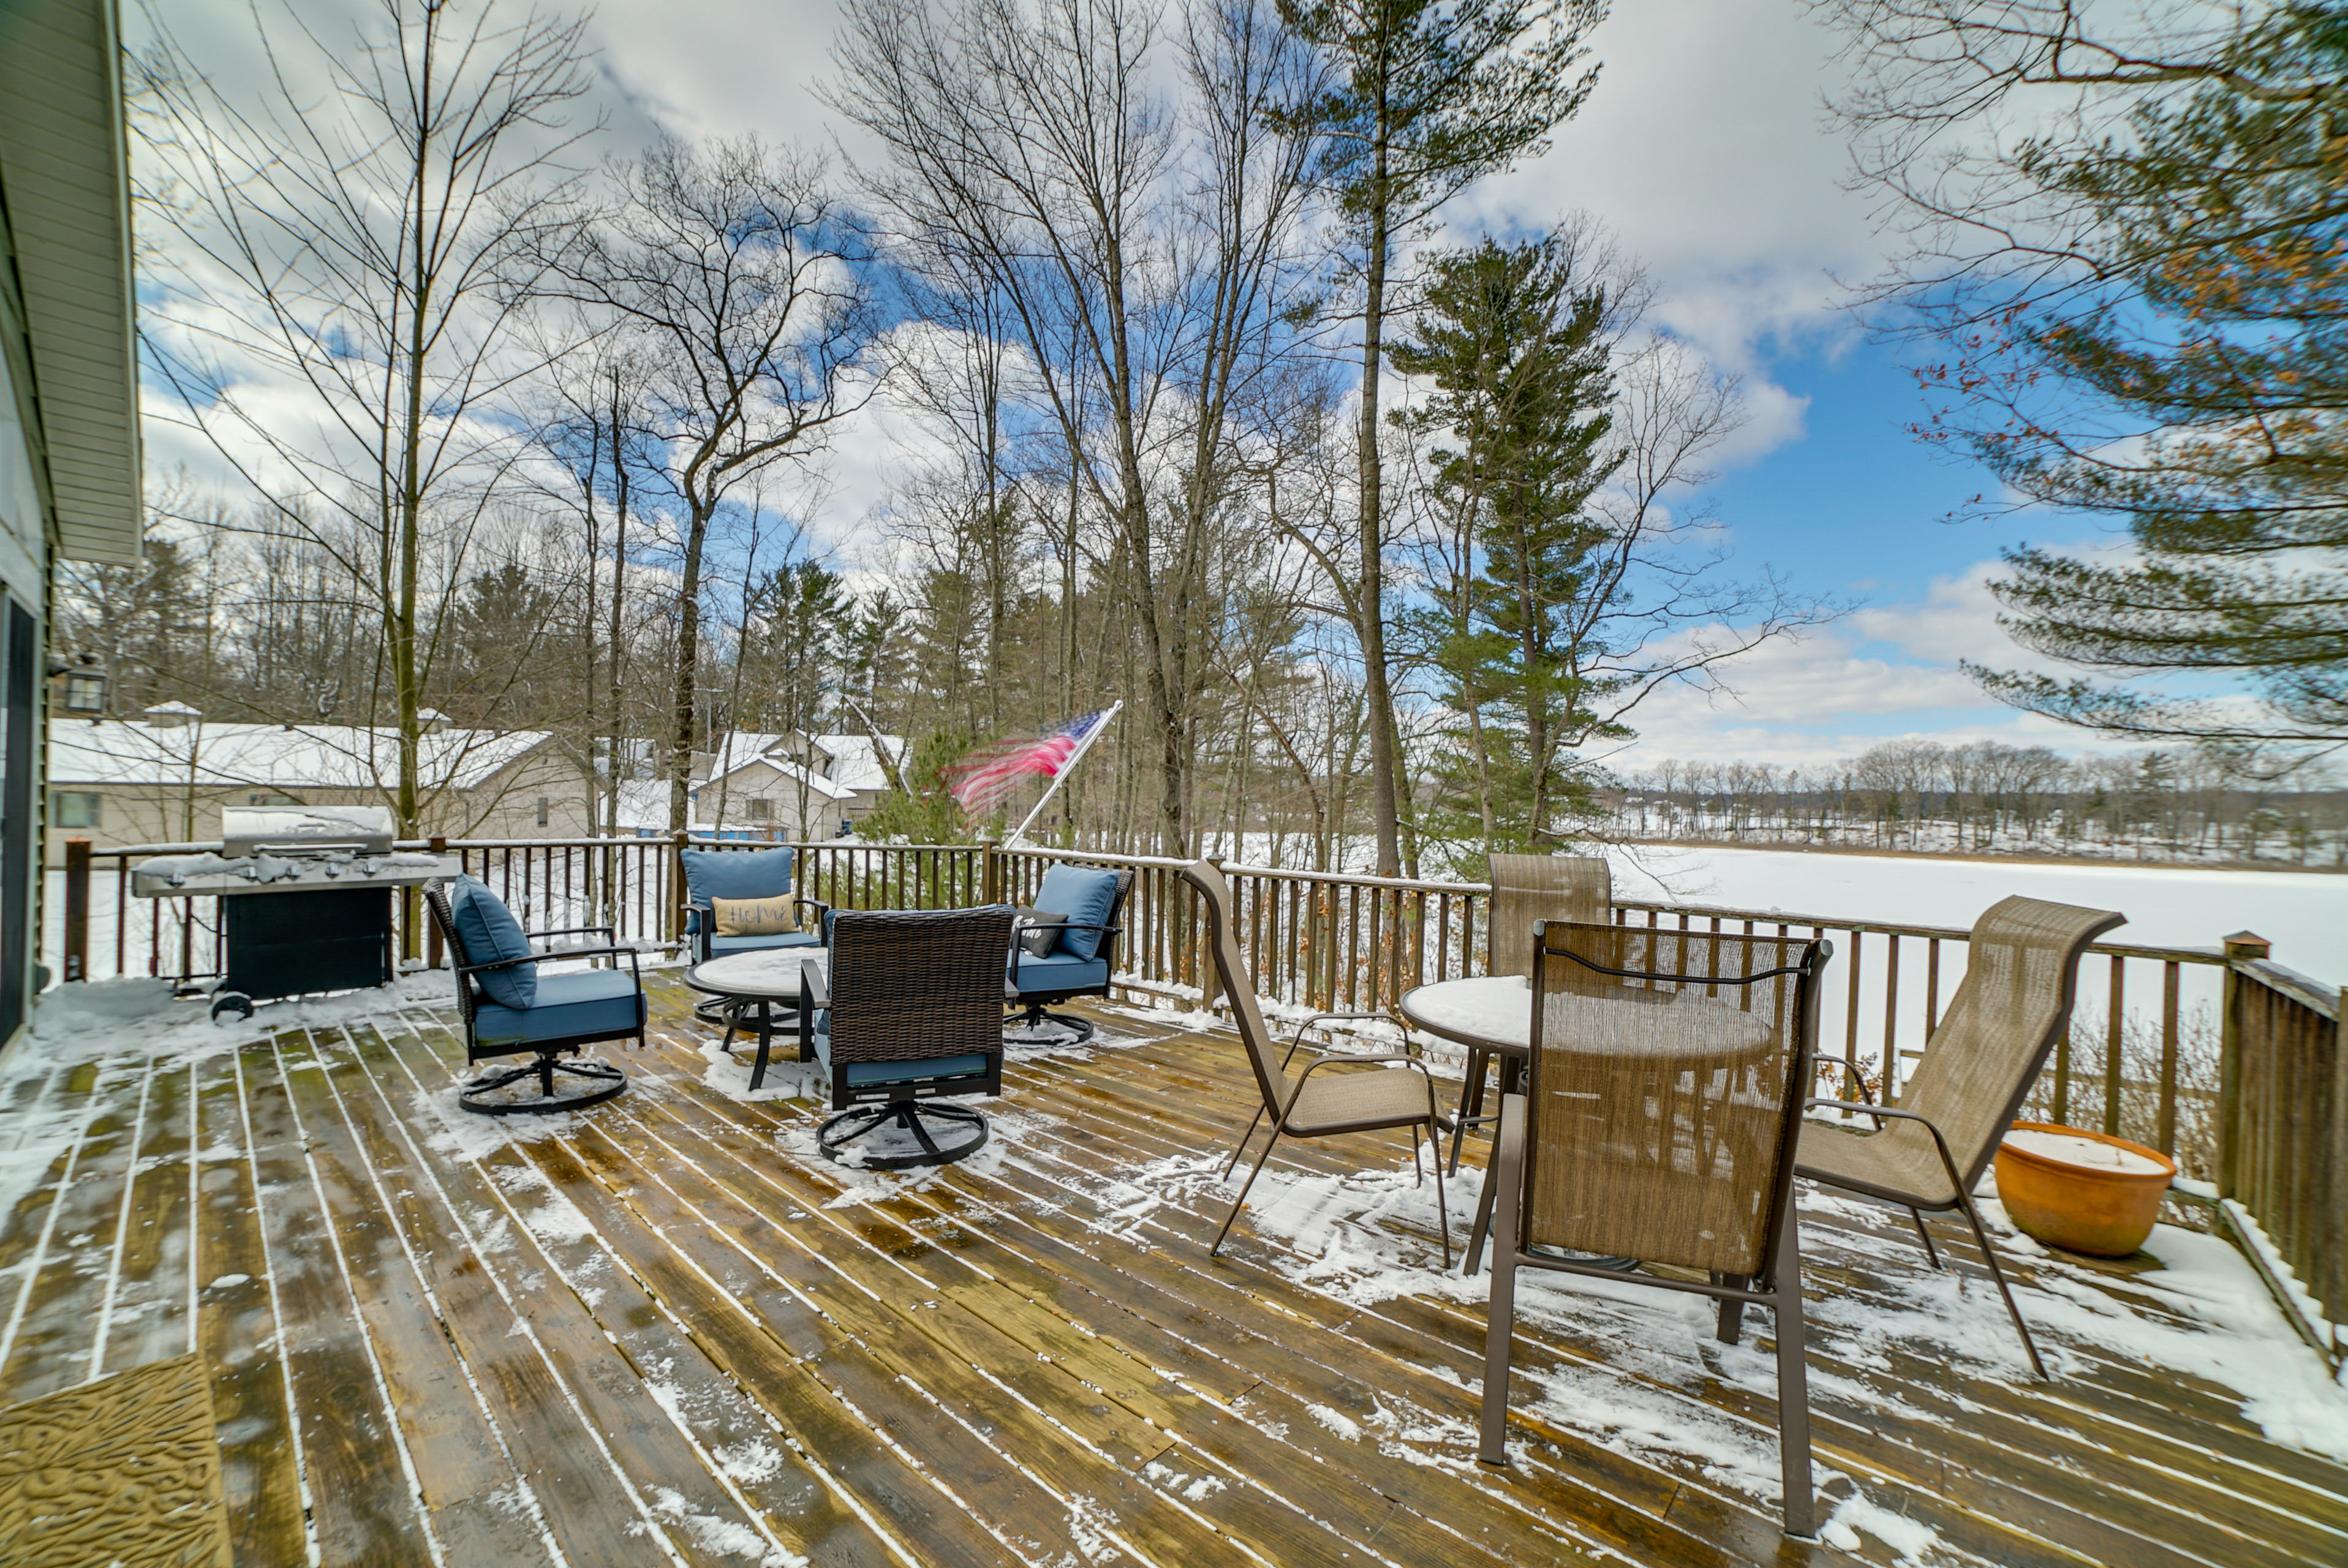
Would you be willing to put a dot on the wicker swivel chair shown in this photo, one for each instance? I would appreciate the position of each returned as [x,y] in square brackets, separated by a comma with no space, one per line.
[1927,1152]
[912,1010]
[561,1013]
[1526,890]
[1304,1105]
[1659,1123]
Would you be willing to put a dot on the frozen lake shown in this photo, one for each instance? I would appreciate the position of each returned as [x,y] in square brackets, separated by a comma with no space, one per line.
[2304,914]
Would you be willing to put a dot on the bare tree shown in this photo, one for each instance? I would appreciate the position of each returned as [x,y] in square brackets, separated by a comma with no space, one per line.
[1147,264]
[737,277]
[358,235]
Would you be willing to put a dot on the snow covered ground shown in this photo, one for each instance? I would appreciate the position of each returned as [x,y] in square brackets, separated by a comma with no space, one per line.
[2304,914]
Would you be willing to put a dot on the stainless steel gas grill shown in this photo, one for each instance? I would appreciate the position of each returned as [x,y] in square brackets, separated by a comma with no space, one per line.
[305,897]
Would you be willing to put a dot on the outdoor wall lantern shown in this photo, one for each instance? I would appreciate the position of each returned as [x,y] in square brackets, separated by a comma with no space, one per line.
[85,688]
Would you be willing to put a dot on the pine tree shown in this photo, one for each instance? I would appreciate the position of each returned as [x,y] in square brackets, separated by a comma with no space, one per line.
[1516,344]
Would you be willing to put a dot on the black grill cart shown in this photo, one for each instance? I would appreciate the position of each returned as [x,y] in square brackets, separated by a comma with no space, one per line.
[305,898]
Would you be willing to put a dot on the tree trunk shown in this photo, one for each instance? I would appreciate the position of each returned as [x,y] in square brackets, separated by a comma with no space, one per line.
[688,656]
[1369,523]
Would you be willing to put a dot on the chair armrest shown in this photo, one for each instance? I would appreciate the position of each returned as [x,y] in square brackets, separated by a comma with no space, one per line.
[798,904]
[1879,1112]
[816,993]
[1296,1038]
[1858,1075]
[573,931]
[634,967]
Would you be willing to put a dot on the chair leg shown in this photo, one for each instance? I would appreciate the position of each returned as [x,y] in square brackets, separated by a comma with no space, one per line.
[1989,1255]
[1793,1384]
[1442,1212]
[1241,1148]
[1731,1326]
[1471,1101]
[1924,1236]
[1236,1203]
[1500,1318]
[1417,1169]
[1483,1225]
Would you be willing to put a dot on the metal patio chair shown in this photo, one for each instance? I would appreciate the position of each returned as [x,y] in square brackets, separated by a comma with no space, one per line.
[1927,1152]
[1658,1124]
[1083,906]
[510,1009]
[1304,1106]
[1527,889]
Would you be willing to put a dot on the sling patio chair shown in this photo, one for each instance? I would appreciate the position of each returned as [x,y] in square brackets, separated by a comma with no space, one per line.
[510,1009]
[1927,1152]
[1397,1091]
[1658,1123]
[1526,890]
[912,1011]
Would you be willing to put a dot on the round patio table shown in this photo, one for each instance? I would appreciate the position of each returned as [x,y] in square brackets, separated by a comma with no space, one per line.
[764,981]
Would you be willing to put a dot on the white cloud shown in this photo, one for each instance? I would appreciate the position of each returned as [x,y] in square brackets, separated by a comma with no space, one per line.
[1883,673]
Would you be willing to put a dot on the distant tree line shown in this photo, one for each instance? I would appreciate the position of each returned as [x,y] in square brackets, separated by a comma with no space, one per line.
[1987,798]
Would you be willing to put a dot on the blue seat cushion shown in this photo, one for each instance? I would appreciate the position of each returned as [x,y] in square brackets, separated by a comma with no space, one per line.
[603,1002]
[866,1075]
[488,932]
[736,874]
[1058,975]
[719,946]
[1084,896]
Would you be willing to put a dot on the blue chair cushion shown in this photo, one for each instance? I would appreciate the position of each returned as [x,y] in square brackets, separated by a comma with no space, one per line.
[603,1002]
[719,946]
[489,933]
[1083,896]
[736,874]
[1058,975]
[865,1075]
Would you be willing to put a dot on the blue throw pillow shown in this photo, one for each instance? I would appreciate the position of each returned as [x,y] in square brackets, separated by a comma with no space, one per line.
[736,874]
[488,932]
[1084,896]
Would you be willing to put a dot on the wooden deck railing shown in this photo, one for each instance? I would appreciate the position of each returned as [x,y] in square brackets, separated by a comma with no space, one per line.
[2213,1055]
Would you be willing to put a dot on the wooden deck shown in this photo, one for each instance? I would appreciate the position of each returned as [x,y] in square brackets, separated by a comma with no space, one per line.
[644,1337]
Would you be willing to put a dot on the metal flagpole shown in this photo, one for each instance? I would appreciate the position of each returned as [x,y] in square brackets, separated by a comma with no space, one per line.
[1084,745]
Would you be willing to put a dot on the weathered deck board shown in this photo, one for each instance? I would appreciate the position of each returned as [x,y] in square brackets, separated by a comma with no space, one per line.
[653,1334]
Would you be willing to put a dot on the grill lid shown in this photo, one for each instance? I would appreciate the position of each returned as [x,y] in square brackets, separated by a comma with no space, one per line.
[291,831]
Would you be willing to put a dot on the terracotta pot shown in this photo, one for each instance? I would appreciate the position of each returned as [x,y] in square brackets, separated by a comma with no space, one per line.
[2103,1214]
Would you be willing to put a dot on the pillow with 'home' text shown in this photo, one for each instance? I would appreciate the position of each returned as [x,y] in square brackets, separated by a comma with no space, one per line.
[754,916]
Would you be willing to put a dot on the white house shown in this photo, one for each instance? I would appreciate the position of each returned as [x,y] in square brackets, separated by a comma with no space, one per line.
[162,779]
[778,787]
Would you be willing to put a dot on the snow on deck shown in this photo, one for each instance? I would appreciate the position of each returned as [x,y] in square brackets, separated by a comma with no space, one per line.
[665,1331]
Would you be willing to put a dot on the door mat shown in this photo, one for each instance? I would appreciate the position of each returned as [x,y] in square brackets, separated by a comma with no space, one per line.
[122,1470]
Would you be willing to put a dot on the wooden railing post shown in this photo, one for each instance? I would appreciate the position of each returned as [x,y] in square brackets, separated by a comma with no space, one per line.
[2335,1287]
[76,953]
[2240,948]
[1207,977]
[676,886]
[434,957]
[990,871]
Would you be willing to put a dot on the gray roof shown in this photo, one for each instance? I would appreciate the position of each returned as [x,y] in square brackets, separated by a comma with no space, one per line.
[65,182]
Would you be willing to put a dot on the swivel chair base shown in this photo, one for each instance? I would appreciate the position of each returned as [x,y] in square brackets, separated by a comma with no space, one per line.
[1036,1027]
[603,1081]
[841,1130]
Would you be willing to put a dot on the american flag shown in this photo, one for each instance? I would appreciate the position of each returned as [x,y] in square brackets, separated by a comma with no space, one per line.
[981,781]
